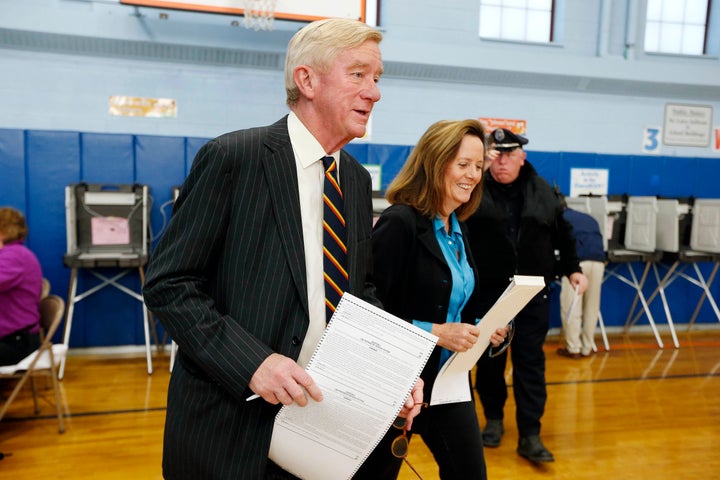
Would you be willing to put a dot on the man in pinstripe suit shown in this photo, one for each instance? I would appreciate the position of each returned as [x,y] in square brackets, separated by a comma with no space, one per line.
[237,279]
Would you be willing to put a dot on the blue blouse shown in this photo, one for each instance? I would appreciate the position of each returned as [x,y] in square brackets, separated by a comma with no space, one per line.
[463,279]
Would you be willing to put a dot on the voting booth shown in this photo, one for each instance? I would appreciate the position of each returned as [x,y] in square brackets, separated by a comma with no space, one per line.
[107,227]
[688,235]
[633,240]
[596,206]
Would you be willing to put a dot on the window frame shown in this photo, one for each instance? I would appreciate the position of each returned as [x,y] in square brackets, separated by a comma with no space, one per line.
[552,33]
[711,31]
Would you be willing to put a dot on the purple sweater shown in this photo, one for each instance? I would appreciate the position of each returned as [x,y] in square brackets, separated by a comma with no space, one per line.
[20,289]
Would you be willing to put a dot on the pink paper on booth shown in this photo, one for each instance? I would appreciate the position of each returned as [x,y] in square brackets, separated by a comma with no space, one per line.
[110,231]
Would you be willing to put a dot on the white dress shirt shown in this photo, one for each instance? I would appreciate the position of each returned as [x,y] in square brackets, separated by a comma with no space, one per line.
[310,172]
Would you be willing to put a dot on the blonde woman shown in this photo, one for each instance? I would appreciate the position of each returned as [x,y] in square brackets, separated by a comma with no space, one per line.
[424,273]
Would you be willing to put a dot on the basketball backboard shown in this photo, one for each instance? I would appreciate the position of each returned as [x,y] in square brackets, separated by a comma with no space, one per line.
[282,9]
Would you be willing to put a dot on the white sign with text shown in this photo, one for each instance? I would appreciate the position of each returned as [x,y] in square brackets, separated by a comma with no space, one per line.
[687,125]
[586,181]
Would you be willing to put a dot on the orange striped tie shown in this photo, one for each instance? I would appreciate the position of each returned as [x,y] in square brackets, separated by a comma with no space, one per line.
[334,239]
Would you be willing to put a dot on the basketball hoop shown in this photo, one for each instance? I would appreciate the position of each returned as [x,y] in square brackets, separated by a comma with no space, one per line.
[259,14]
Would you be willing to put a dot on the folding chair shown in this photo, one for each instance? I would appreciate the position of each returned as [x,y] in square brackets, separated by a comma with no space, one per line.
[45,288]
[43,361]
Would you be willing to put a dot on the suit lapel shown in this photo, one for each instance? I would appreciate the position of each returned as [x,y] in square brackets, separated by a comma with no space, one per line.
[282,177]
[426,236]
[349,187]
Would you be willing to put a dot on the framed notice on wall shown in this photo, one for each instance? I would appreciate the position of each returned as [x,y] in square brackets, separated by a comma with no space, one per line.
[687,125]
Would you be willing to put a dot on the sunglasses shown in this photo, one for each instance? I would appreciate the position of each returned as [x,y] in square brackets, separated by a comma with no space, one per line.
[400,445]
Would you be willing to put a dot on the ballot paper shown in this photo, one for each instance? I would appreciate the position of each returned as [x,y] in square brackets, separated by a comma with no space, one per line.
[451,384]
[366,363]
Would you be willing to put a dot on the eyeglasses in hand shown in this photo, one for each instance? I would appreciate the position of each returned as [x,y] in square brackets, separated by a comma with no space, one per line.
[492,353]
[399,446]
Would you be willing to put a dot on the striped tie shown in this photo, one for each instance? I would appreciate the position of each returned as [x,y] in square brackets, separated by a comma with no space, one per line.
[334,236]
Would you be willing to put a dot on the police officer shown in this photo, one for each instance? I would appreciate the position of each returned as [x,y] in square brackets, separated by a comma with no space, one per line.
[515,231]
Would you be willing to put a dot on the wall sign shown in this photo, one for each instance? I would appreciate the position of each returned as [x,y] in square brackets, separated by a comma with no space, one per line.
[651,140]
[124,106]
[514,125]
[375,172]
[588,181]
[687,125]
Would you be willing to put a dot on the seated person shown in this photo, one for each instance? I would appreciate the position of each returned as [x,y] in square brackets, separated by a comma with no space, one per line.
[20,290]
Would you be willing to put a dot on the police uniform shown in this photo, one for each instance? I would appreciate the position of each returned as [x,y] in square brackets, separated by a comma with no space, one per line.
[515,231]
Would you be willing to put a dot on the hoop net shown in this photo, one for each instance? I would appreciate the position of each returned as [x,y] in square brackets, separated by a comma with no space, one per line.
[259,14]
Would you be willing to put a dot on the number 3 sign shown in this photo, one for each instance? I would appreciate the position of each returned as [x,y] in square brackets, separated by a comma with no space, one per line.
[651,140]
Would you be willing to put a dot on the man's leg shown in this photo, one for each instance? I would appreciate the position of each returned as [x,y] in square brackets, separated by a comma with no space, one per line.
[594,271]
[571,323]
[531,327]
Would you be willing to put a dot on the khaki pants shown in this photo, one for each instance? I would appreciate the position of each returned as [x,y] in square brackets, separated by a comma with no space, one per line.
[580,326]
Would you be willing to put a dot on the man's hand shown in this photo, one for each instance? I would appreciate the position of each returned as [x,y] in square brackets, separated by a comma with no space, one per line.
[579,282]
[491,154]
[413,404]
[280,379]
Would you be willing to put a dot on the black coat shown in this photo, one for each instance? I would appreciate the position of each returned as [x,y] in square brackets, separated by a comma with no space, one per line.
[542,230]
[413,280]
[227,280]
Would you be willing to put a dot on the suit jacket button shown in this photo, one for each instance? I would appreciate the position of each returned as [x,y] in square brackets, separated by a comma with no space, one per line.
[295,341]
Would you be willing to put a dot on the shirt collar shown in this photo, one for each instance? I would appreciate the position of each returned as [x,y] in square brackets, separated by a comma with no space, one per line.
[13,242]
[438,224]
[306,147]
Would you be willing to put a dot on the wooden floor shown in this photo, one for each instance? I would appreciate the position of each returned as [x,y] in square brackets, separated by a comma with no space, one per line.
[635,412]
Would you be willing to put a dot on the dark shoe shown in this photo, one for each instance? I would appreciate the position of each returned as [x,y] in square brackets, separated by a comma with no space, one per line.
[533,449]
[492,433]
[564,352]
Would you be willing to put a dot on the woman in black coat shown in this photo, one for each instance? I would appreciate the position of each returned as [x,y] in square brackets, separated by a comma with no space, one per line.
[424,273]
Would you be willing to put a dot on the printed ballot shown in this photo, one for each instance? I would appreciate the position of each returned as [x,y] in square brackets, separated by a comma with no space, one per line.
[366,363]
[451,384]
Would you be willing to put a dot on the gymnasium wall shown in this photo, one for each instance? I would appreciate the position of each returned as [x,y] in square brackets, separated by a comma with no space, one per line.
[38,164]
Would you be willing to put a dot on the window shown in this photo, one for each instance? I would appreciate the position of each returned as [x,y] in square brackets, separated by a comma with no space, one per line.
[677,26]
[520,20]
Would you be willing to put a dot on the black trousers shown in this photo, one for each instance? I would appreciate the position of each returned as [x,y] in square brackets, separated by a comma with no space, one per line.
[274,472]
[528,362]
[16,346]
[451,432]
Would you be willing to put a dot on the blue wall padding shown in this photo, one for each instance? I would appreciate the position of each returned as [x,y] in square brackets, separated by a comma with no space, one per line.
[37,165]
[12,168]
[107,158]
